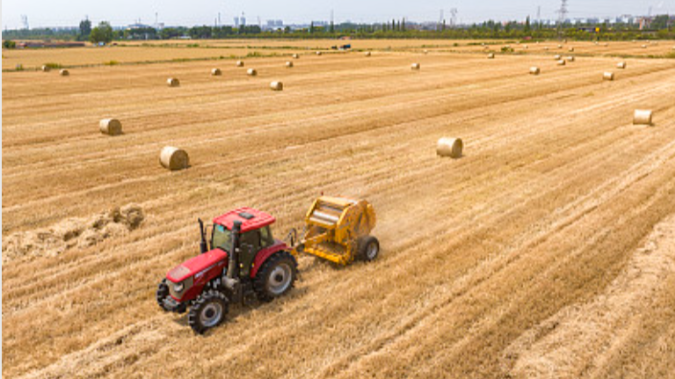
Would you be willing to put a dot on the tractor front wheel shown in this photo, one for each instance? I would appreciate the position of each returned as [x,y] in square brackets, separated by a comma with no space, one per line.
[369,248]
[208,311]
[276,276]
[162,293]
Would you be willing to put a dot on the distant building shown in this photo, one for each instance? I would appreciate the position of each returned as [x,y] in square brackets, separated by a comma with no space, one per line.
[138,26]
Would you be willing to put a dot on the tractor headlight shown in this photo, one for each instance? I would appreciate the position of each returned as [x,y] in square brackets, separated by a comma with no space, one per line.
[177,290]
[178,287]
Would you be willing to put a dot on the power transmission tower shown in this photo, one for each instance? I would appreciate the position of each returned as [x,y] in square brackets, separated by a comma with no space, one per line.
[24,20]
[453,17]
[562,16]
[539,14]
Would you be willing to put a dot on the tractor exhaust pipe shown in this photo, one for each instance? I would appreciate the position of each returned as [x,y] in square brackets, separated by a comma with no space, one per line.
[233,261]
[202,244]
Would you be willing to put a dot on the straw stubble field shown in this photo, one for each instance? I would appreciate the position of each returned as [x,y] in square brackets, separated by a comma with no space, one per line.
[547,250]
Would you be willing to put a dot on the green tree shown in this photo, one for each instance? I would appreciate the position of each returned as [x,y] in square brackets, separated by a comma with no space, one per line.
[311,28]
[332,28]
[660,22]
[8,44]
[85,30]
[527,25]
[102,33]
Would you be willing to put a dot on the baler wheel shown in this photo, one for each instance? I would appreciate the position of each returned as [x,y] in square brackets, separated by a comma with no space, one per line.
[369,248]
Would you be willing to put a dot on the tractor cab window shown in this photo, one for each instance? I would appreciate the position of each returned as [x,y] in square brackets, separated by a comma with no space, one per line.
[251,238]
[266,237]
[222,238]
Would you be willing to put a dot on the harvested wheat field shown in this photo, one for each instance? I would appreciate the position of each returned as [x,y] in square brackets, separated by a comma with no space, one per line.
[547,250]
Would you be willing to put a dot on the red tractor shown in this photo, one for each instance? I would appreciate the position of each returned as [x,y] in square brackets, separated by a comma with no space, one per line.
[244,262]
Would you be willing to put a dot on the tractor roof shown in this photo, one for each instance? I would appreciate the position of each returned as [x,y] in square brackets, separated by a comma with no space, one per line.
[251,219]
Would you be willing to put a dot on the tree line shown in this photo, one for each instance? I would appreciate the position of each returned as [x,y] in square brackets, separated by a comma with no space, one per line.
[661,28]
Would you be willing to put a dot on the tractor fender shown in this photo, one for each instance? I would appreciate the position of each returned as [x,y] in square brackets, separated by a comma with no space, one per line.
[265,253]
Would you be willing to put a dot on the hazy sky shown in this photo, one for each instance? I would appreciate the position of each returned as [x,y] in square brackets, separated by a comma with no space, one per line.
[193,12]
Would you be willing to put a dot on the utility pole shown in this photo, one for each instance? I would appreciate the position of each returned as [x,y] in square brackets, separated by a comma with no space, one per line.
[440,20]
[539,14]
[453,19]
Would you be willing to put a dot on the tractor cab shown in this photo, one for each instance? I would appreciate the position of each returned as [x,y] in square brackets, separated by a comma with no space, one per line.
[255,235]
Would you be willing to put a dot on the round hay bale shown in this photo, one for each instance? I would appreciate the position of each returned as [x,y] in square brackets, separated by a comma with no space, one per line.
[525,47]
[571,49]
[546,48]
[110,126]
[251,72]
[561,62]
[559,46]
[367,53]
[644,46]
[534,71]
[240,64]
[415,66]
[642,117]
[608,76]
[449,147]
[64,72]
[606,44]
[216,72]
[570,58]
[46,68]
[173,82]
[491,56]
[318,53]
[277,86]
[289,64]
[296,56]
[621,65]
[173,158]
[557,57]
[426,51]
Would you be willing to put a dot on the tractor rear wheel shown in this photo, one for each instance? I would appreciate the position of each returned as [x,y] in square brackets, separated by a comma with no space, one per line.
[276,276]
[162,293]
[208,311]
[369,248]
